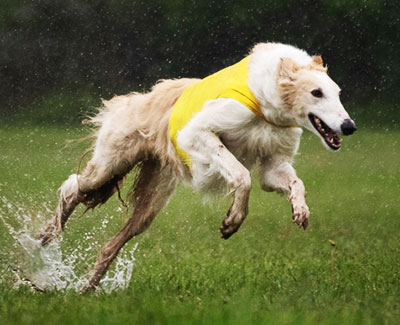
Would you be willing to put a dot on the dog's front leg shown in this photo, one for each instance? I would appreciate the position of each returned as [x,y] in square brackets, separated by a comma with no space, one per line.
[239,181]
[208,150]
[281,177]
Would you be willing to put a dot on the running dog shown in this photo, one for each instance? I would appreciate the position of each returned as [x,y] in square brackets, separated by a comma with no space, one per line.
[207,133]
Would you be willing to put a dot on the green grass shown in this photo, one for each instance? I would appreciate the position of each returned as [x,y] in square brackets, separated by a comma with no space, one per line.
[269,272]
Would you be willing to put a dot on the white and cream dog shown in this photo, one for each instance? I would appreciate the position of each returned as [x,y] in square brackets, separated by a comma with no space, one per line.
[208,133]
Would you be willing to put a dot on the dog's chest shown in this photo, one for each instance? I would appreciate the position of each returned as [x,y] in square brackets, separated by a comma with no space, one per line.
[260,140]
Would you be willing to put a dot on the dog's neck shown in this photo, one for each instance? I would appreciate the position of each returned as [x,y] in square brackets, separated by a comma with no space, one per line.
[277,120]
[263,69]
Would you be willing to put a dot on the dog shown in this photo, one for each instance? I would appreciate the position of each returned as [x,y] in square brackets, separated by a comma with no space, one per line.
[208,133]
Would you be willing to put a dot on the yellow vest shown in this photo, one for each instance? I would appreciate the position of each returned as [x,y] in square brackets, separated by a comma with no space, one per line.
[230,82]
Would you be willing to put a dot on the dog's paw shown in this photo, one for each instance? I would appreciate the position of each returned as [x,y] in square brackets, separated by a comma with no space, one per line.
[228,229]
[231,224]
[45,239]
[47,235]
[88,289]
[301,214]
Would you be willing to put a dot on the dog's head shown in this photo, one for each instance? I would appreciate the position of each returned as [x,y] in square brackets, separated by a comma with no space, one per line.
[312,98]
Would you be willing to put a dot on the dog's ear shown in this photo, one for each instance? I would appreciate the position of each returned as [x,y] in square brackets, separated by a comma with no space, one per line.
[317,59]
[288,69]
[317,64]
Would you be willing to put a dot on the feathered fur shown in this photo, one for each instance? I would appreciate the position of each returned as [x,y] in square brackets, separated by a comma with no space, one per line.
[225,141]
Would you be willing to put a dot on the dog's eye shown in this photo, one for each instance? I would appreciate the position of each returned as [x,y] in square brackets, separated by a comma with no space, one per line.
[317,93]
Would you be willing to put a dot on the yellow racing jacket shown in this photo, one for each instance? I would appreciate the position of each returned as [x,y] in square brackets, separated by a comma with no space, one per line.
[230,82]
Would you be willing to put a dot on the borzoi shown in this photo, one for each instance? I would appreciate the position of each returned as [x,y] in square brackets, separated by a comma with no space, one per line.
[208,133]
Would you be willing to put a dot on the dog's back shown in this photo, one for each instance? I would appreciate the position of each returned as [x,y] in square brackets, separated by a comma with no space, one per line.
[143,114]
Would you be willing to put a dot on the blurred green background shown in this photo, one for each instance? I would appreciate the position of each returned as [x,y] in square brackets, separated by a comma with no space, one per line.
[59,57]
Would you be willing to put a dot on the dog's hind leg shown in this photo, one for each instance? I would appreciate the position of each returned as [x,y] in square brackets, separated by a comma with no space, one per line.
[69,199]
[95,186]
[114,156]
[152,188]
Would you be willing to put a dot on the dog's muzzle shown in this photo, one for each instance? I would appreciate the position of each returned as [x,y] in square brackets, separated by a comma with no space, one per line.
[348,127]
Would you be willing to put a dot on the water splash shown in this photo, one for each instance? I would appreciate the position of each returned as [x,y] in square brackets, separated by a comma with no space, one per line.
[51,267]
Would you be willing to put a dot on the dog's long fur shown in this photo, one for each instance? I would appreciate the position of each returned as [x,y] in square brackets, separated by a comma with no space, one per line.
[225,141]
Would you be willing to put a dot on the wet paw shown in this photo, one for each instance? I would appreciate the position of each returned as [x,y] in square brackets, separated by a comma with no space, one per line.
[45,239]
[229,227]
[47,235]
[88,289]
[301,214]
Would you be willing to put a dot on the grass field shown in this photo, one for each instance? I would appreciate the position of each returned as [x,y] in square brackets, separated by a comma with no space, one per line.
[269,272]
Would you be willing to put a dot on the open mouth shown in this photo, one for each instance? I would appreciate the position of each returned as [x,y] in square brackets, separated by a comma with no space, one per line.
[330,137]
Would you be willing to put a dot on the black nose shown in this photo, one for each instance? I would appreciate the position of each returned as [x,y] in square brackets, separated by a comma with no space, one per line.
[348,127]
